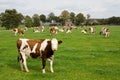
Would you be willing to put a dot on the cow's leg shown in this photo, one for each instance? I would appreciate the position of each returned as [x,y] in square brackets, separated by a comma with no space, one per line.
[51,63]
[106,34]
[15,33]
[25,63]
[43,64]
[20,59]
[21,65]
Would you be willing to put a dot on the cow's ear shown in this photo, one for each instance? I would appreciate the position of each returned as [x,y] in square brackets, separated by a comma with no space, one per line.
[59,42]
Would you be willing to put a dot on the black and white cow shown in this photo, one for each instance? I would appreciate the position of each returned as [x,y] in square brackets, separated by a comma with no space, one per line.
[44,48]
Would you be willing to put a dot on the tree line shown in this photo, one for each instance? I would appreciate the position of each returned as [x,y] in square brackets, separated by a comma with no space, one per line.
[11,19]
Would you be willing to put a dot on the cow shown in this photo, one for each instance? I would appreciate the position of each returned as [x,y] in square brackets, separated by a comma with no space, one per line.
[60,30]
[68,31]
[42,28]
[84,31]
[92,30]
[42,48]
[36,30]
[105,31]
[53,31]
[18,31]
[25,29]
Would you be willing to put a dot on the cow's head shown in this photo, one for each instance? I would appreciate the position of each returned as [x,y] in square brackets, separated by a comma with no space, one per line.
[55,43]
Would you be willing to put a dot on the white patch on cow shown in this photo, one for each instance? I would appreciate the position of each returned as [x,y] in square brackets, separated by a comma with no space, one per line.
[25,51]
[34,48]
[43,70]
[54,44]
[16,31]
[83,31]
[92,30]
[44,44]
[24,62]
[51,63]
[24,42]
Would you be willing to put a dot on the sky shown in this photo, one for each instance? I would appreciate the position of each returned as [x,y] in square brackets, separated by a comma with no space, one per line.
[96,8]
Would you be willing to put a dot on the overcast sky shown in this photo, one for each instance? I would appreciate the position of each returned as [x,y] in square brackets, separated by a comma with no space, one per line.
[96,8]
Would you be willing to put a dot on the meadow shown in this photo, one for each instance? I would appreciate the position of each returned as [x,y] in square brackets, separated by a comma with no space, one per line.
[79,57]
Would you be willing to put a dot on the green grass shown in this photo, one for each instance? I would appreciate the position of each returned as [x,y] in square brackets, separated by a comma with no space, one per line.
[79,57]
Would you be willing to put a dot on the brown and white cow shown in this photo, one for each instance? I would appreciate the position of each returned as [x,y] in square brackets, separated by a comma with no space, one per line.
[18,31]
[43,48]
[84,31]
[53,30]
[68,31]
[92,30]
[42,28]
[105,31]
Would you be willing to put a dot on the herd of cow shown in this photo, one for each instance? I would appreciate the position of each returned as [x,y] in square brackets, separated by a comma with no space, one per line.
[53,30]
[44,48]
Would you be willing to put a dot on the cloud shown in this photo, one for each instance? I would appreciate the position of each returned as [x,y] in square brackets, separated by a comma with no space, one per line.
[96,8]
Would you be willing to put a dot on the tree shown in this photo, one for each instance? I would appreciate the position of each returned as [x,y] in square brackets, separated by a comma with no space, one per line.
[114,20]
[79,19]
[57,19]
[36,20]
[72,17]
[65,15]
[88,19]
[42,18]
[11,18]
[28,21]
[51,17]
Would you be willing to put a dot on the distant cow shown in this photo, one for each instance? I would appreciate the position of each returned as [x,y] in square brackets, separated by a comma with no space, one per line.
[68,31]
[18,31]
[84,31]
[60,30]
[53,30]
[92,30]
[43,29]
[25,28]
[42,48]
[105,31]
[36,29]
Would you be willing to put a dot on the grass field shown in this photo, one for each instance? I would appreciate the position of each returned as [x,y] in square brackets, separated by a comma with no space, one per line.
[79,57]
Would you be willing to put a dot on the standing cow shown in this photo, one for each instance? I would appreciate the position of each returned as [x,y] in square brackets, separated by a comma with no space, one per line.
[105,31]
[44,48]
[53,30]
[18,31]
[92,30]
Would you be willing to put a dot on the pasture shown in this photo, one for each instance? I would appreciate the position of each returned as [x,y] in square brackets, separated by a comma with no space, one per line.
[79,57]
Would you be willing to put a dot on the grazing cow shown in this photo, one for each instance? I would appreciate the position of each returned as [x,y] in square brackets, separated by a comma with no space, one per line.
[84,31]
[36,29]
[25,29]
[42,48]
[68,31]
[92,30]
[42,28]
[61,30]
[18,31]
[105,32]
[73,27]
[53,30]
